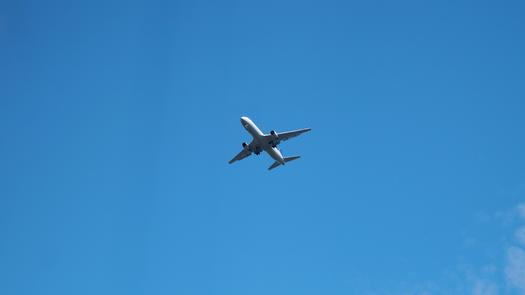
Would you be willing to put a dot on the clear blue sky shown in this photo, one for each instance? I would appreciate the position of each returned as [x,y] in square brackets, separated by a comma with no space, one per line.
[117,119]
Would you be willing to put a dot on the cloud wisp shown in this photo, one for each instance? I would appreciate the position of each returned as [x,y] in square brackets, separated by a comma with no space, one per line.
[515,263]
[504,274]
[515,268]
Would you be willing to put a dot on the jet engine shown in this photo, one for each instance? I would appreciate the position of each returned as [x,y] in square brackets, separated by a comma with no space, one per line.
[274,135]
[275,138]
[246,147]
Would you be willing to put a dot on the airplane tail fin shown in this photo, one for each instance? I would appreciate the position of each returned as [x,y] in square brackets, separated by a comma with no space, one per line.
[286,160]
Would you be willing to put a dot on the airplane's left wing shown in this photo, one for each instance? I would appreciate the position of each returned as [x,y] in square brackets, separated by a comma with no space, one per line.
[282,136]
[289,134]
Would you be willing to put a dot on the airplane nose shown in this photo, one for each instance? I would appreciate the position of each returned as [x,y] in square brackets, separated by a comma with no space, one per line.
[244,120]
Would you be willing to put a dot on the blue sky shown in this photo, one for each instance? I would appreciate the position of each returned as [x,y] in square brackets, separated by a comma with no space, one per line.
[118,119]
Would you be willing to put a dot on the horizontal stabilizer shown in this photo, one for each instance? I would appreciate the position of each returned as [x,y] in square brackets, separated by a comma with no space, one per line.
[286,160]
[275,164]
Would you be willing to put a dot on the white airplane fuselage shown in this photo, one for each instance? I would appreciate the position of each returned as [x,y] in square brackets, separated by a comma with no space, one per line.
[259,138]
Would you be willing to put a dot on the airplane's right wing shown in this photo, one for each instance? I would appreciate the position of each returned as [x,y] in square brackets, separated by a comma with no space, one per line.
[243,154]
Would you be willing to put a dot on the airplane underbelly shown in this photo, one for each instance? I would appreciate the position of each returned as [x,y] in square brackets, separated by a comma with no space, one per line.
[275,154]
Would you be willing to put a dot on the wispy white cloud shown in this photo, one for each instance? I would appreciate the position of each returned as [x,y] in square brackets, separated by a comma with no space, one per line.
[521,210]
[515,268]
[498,274]
[515,260]
[520,235]
[481,280]
[484,287]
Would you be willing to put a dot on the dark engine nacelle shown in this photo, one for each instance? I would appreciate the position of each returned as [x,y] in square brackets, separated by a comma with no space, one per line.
[246,146]
[274,135]
[275,138]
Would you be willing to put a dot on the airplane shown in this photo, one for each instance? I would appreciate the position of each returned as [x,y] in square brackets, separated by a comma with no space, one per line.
[266,142]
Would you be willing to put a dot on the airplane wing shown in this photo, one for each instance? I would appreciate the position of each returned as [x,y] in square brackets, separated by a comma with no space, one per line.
[289,134]
[283,136]
[243,154]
